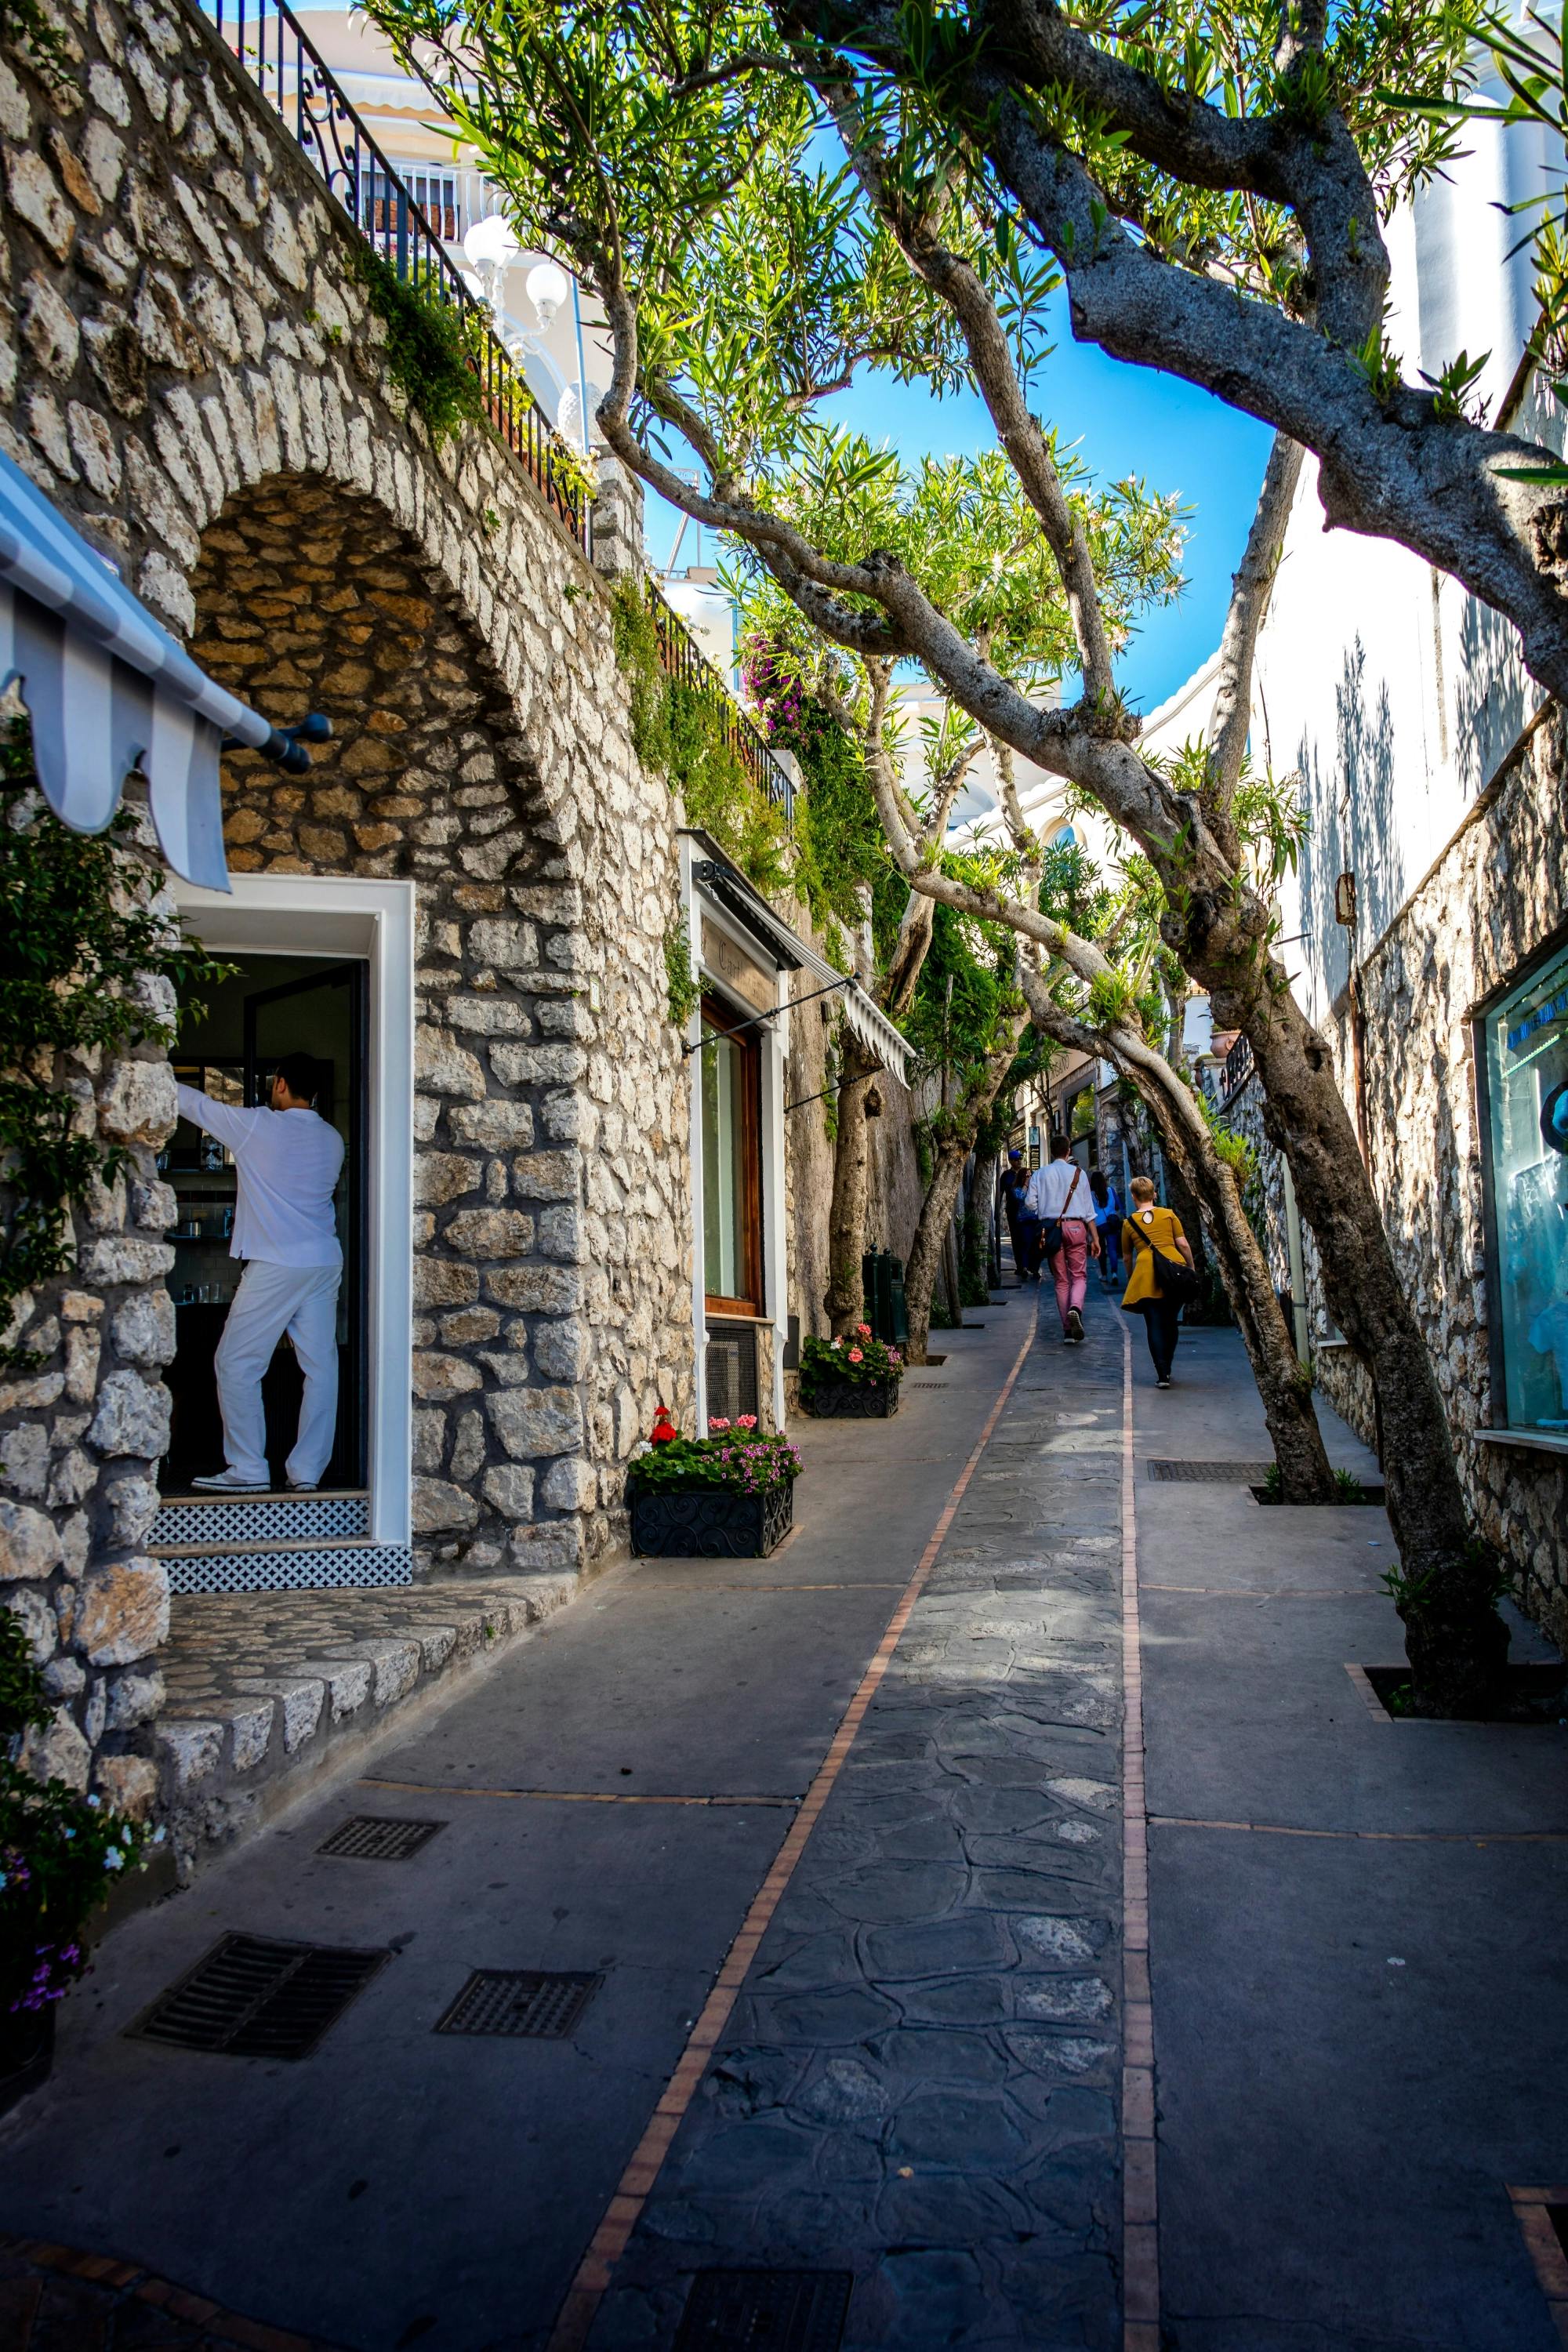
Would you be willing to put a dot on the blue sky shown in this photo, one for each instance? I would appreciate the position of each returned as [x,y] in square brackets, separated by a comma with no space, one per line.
[1128,420]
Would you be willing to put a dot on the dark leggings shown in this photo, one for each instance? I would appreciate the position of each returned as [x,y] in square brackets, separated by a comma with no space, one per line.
[1162,1321]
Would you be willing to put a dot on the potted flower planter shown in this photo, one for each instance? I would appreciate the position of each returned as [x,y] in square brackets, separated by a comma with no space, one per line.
[27,2052]
[60,1854]
[706,1522]
[831,1399]
[728,1495]
[851,1379]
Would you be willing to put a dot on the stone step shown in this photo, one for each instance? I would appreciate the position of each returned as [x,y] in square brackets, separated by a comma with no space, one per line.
[260,1518]
[267,1689]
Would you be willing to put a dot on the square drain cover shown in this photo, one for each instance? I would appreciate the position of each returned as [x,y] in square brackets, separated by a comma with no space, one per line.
[526,2002]
[371,1837]
[777,2311]
[253,1997]
[1212,1473]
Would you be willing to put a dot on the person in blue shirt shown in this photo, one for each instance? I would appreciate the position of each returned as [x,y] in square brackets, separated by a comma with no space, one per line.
[1108,1224]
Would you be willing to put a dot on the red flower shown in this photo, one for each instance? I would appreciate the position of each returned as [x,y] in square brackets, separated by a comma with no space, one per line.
[864,1329]
[855,1355]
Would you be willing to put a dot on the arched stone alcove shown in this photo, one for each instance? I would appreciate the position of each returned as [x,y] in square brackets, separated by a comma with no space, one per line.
[311,597]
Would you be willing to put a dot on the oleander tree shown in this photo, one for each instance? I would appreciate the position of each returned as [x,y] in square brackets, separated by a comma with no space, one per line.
[769,201]
[962,526]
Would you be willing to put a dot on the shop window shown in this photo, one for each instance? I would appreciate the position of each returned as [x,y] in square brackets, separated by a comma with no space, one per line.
[1526,1063]
[732,1163]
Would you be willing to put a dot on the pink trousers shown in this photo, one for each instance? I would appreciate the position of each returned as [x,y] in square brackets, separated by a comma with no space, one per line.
[1070,1267]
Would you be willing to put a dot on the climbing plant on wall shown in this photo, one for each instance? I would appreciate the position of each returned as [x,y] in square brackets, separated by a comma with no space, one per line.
[80,942]
[679,731]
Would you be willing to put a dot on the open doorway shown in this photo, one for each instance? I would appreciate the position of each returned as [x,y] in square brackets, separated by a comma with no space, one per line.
[273,1005]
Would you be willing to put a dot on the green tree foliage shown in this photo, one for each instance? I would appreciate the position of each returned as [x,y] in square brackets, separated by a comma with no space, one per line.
[79,944]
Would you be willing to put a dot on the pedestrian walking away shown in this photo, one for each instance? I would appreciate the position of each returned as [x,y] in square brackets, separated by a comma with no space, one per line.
[287,1162]
[1011,1186]
[1164,1275]
[1059,1196]
[1107,1224]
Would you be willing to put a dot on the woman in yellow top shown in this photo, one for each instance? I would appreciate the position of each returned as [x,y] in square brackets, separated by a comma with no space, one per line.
[1149,1234]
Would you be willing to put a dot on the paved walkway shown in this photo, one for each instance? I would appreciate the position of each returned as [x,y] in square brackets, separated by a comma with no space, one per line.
[837,1840]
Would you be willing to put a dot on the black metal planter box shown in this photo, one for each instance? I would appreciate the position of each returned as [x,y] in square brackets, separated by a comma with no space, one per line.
[850,1399]
[698,1522]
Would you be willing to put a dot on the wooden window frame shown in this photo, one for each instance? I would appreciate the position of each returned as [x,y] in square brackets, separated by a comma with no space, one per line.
[719,1015]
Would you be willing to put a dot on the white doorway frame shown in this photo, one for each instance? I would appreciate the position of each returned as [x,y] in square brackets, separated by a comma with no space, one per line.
[335,916]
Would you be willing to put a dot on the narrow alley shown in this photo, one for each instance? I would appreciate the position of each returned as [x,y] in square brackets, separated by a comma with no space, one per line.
[829,1851]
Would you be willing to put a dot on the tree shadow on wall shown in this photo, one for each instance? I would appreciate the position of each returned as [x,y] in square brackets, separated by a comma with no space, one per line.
[1491,695]
[1351,808]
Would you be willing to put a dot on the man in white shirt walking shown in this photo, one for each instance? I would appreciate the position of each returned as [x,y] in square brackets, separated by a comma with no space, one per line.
[288,1162]
[1059,1193]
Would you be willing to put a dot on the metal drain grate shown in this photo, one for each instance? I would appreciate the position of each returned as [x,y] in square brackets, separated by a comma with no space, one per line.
[520,2001]
[930,1384]
[371,1837]
[253,1997]
[1212,1473]
[777,2311]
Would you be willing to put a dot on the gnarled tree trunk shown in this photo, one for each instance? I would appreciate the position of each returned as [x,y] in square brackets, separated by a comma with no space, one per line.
[951,1148]
[1282,1383]
[1446,1583]
[843,1299]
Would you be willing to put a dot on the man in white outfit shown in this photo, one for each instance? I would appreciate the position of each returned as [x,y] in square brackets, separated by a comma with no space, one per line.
[287,1162]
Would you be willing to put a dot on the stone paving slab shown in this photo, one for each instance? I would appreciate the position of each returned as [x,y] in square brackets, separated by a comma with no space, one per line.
[918,2081]
[262,1687]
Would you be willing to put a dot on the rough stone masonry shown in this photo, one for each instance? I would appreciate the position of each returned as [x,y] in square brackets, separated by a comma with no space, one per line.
[189,368]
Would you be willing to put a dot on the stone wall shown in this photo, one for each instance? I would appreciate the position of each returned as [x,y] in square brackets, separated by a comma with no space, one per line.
[1497,895]
[190,370]
[529,1233]
[82,1428]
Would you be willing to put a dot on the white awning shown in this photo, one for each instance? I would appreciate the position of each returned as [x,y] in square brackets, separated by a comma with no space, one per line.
[864,1015]
[108,690]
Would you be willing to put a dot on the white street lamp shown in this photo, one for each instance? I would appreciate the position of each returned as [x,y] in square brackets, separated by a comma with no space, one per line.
[491,243]
[547,286]
[491,246]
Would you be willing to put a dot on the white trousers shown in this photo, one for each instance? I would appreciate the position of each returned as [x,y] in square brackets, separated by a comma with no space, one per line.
[271,1299]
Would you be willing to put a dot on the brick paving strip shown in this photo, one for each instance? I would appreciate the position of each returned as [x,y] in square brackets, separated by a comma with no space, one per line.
[1533,2209]
[58,2299]
[908,2066]
[1139,2204]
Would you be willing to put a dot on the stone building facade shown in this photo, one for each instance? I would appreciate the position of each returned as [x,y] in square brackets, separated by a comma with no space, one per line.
[1495,897]
[190,370]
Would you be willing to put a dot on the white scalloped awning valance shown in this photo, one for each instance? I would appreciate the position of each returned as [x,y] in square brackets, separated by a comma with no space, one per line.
[108,690]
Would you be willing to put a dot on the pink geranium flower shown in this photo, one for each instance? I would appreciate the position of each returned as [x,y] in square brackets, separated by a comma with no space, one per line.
[855,1355]
[716,1422]
[746,1421]
[864,1329]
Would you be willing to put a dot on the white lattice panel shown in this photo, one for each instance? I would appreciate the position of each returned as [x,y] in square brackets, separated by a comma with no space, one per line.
[286,1570]
[266,1519]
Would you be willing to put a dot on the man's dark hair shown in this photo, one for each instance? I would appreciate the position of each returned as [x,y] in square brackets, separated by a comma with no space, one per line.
[1060,1147]
[301,1074]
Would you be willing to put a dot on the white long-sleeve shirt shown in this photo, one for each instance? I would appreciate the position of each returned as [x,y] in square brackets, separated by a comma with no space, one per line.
[288,1163]
[1049,1190]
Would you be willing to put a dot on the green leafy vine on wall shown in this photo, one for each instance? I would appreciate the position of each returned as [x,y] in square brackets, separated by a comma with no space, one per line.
[77,944]
[678,731]
[683,991]
[435,354]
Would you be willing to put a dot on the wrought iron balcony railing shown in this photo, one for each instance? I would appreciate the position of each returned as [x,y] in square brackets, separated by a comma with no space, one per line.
[1238,1069]
[279,56]
[682,658]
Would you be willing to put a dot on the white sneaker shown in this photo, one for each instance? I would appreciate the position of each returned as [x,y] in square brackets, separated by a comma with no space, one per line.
[231,1482]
